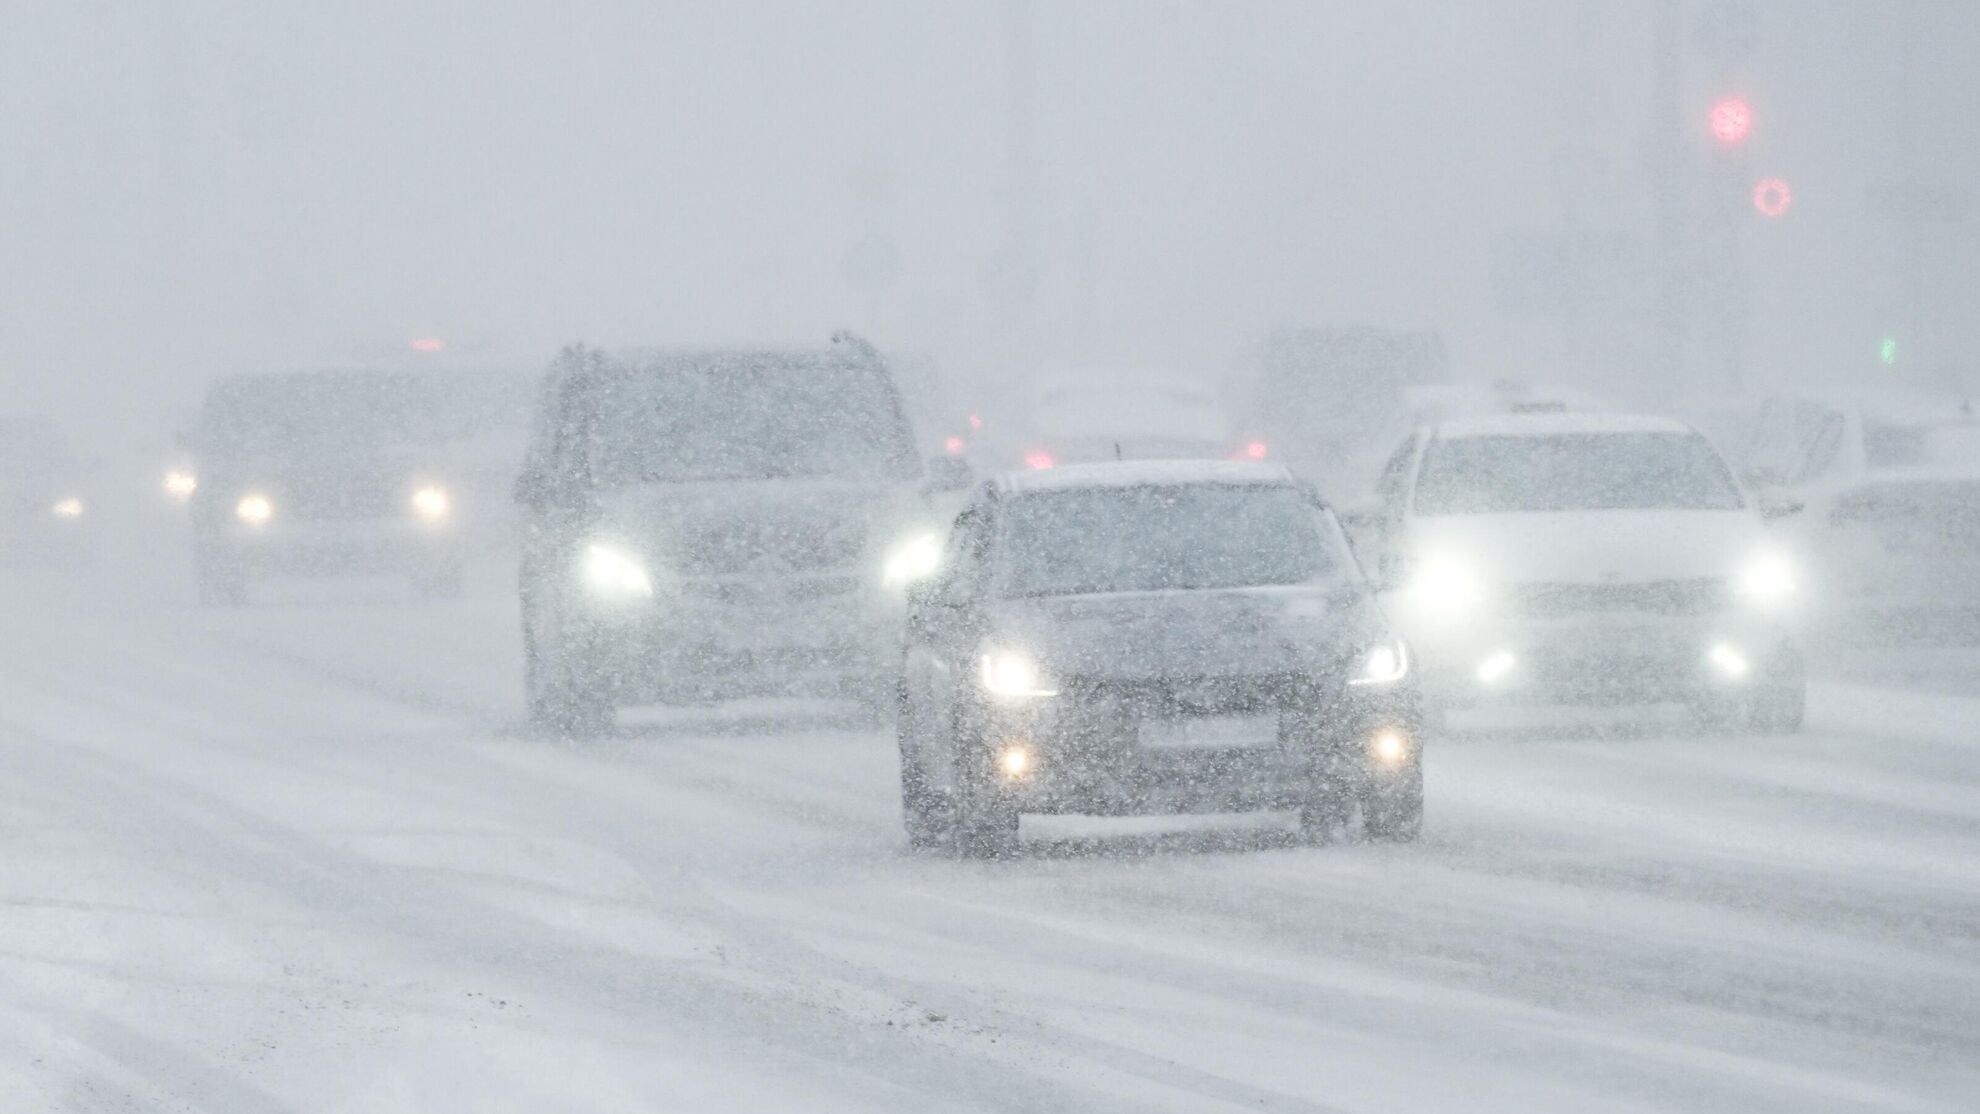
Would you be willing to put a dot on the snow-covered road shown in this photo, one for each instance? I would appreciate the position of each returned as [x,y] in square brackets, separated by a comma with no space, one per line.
[299,858]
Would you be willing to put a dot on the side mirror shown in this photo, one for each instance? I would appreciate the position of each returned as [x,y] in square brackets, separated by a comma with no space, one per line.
[1775,505]
[1362,518]
[950,473]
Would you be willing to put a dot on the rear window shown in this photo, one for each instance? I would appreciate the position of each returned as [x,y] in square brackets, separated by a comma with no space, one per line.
[1574,472]
[751,419]
[1154,538]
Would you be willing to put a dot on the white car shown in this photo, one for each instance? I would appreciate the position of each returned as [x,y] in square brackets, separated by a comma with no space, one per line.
[1892,488]
[1587,558]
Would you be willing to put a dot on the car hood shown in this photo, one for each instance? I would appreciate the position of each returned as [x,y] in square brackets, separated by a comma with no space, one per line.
[1592,547]
[745,528]
[1235,632]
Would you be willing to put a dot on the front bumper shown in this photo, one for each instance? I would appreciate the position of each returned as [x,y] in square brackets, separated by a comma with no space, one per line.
[334,547]
[1602,659]
[1091,751]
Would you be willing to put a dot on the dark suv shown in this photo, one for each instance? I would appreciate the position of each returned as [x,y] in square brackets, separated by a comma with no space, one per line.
[711,524]
[1153,637]
[323,472]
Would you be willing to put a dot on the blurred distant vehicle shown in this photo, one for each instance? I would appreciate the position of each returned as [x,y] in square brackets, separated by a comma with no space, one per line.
[1892,489]
[323,473]
[1091,420]
[1588,558]
[1156,637]
[721,523]
[46,512]
[1324,399]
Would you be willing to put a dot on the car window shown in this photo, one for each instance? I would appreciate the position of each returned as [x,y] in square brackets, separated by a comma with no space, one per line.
[1573,472]
[1163,537]
[750,417]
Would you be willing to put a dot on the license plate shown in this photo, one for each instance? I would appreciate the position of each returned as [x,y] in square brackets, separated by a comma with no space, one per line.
[1210,732]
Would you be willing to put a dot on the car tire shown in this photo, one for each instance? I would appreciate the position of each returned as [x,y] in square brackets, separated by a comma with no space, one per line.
[927,811]
[986,822]
[1777,709]
[1394,814]
[561,703]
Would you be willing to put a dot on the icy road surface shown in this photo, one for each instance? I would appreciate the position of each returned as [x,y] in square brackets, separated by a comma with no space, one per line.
[298,858]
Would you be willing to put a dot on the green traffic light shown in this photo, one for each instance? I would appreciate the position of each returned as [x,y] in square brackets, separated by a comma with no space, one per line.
[1887,351]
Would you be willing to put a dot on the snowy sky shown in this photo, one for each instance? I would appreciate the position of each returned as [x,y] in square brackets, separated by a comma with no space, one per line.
[197,187]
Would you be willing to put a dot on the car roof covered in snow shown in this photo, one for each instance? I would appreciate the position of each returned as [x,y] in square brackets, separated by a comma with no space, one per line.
[1547,425]
[1143,473]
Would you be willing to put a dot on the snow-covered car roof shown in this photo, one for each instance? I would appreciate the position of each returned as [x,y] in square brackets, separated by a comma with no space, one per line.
[1144,473]
[1545,425]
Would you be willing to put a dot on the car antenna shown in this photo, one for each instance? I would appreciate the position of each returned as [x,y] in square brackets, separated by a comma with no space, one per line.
[1117,450]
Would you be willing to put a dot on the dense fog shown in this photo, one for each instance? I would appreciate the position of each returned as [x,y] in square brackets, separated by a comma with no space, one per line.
[989,555]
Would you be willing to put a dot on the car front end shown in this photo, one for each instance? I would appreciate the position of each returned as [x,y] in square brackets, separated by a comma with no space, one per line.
[1216,705]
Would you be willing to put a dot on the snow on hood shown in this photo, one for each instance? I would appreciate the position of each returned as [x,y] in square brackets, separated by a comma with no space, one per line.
[1592,547]
[1234,632]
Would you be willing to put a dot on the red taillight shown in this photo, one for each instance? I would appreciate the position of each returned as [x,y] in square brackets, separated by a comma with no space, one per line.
[1256,450]
[975,422]
[953,445]
[428,344]
[1039,460]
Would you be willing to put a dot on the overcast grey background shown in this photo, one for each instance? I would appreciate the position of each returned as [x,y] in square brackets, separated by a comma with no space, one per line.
[197,187]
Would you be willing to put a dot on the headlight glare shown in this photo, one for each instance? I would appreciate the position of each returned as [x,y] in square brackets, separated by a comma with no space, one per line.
[431,502]
[1384,663]
[180,486]
[1446,584]
[70,507]
[612,574]
[255,509]
[1767,580]
[1014,673]
[914,559]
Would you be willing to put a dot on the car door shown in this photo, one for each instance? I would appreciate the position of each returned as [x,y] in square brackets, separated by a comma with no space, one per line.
[555,492]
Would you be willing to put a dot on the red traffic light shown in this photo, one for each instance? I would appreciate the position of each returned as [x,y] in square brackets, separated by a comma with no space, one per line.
[1731,121]
[1772,197]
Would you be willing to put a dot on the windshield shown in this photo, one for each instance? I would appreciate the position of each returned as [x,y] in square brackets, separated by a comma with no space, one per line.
[749,419]
[1574,472]
[1138,539]
[289,414]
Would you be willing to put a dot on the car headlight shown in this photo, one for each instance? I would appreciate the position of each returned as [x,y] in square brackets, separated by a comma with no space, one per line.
[71,507]
[431,503]
[1767,580]
[914,559]
[1384,663]
[612,574]
[1014,673]
[179,486]
[254,509]
[1445,584]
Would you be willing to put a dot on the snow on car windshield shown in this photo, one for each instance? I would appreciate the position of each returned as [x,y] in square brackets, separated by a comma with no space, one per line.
[761,419]
[1141,539]
[331,411]
[1574,472]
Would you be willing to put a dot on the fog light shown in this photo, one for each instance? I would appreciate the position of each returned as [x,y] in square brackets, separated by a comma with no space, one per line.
[1015,761]
[1495,667]
[1729,661]
[1389,747]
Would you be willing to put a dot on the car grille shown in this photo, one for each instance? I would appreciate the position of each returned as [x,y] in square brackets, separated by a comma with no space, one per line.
[772,546]
[324,502]
[1656,597]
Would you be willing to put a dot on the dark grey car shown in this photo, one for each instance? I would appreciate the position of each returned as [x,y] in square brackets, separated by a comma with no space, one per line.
[1158,637]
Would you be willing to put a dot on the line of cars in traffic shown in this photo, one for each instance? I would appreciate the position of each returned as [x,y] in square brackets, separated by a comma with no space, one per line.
[1138,623]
